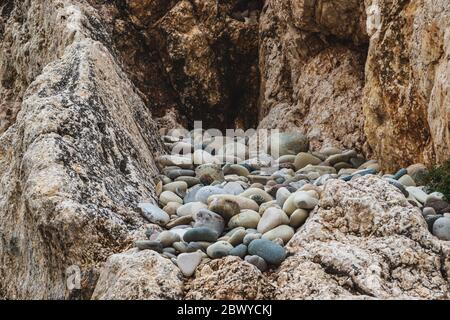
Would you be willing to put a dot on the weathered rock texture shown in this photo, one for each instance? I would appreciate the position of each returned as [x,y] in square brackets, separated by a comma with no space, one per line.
[407,93]
[230,278]
[139,275]
[365,241]
[312,56]
[78,157]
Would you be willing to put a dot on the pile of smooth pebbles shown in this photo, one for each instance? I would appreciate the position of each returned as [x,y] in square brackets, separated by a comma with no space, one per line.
[227,203]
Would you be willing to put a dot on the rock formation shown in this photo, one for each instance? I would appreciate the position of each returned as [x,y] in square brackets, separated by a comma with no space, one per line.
[86,84]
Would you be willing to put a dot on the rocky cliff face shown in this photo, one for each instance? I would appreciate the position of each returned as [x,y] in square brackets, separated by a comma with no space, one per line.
[86,84]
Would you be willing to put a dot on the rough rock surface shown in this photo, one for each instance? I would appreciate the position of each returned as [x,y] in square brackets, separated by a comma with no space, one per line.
[78,157]
[407,96]
[312,70]
[139,275]
[365,241]
[229,278]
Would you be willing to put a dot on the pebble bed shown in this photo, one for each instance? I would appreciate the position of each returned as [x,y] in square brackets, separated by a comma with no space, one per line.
[218,205]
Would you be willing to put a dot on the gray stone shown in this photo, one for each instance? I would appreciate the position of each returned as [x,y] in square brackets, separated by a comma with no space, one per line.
[282,195]
[167,238]
[192,193]
[200,234]
[282,232]
[188,262]
[168,196]
[272,218]
[441,228]
[234,188]
[440,206]
[250,237]
[288,143]
[204,193]
[209,219]
[407,181]
[271,252]
[298,218]
[190,181]
[235,169]
[239,251]
[246,219]
[185,220]
[153,213]
[303,159]
[428,211]
[175,173]
[219,249]
[303,200]
[180,246]
[149,245]
[237,237]
[258,262]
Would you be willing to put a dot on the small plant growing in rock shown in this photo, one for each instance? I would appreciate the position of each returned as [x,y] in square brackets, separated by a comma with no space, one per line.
[438,179]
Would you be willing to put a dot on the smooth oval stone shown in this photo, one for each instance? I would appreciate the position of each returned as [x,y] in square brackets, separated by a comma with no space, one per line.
[188,262]
[343,157]
[153,213]
[180,246]
[170,250]
[237,237]
[219,249]
[303,200]
[272,218]
[149,245]
[258,262]
[267,205]
[367,164]
[321,170]
[224,207]
[204,193]
[417,171]
[232,231]
[239,251]
[428,211]
[283,232]
[407,181]
[171,208]
[435,196]
[190,209]
[169,160]
[356,162]
[329,151]
[167,238]
[234,188]
[169,255]
[200,234]
[257,185]
[196,246]
[288,143]
[250,237]
[399,186]
[400,173]
[184,220]
[282,195]
[169,196]
[207,173]
[441,228]
[417,193]
[440,206]
[192,193]
[175,173]
[289,158]
[298,218]
[209,219]
[303,159]
[246,219]
[177,187]
[256,192]
[258,179]
[342,165]
[271,252]
[244,203]
[235,169]
[190,181]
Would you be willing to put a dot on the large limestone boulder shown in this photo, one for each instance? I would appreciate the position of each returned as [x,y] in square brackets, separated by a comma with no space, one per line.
[77,158]
[364,241]
[229,278]
[139,275]
[406,96]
